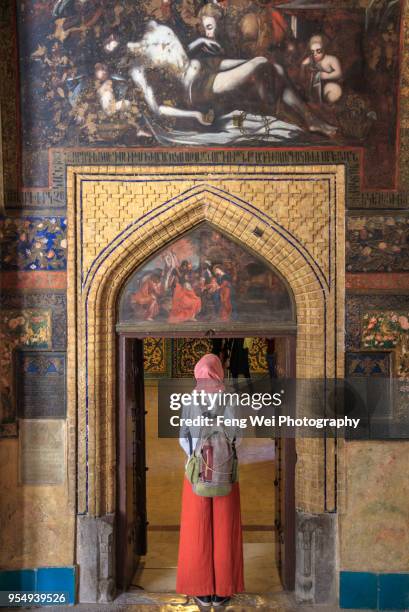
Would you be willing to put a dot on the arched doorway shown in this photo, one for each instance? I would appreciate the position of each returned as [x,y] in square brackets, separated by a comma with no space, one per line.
[118,218]
[205,286]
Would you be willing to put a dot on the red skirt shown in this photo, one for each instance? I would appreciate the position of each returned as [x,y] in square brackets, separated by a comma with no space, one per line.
[210,546]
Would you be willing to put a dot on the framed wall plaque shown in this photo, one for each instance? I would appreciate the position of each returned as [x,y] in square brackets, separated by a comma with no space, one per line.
[40,384]
[42,455]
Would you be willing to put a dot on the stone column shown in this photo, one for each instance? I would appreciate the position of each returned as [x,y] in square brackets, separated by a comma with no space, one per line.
[316,567]
[96,558]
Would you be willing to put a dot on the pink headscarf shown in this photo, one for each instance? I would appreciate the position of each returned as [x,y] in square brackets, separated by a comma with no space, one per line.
[209,373]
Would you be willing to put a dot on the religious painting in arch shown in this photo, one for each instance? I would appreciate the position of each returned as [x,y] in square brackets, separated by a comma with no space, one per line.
[203,281]
[290,73]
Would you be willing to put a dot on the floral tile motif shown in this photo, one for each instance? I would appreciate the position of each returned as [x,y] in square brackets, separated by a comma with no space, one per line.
[358,305]
[257,356]
[33,243]
[156,357]
[383,330]
[390,330]
[53,301]
[381,323]
[186,352]
[378,244]
[18,328]
[160,354]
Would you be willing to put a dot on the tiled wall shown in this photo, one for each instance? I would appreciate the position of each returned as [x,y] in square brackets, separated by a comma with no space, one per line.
[374,243]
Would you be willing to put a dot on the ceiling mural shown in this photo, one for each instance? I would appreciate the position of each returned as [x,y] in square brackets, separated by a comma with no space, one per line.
[204,279]
[112,73]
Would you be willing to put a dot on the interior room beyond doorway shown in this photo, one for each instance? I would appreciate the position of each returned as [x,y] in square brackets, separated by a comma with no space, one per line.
[165,459]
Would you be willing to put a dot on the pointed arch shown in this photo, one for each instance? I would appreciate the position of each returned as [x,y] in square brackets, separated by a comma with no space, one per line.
[94,284]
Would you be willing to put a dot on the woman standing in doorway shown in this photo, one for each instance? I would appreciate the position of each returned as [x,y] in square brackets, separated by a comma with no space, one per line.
[210,563]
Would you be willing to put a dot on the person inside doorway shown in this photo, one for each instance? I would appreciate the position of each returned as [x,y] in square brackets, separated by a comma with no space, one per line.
[210,560]
[220,347]
[271,357]
[238,360]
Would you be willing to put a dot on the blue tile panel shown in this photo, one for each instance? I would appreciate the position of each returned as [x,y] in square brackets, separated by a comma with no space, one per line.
[18,580]
[369,591]
[33,243]
[393,591]
[41,580]
[358,590]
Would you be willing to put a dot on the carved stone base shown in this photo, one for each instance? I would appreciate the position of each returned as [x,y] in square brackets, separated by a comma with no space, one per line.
[95,558]
[315,572]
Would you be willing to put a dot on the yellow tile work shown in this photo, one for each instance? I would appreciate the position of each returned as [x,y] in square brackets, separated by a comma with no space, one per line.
[113,204]
[124,215]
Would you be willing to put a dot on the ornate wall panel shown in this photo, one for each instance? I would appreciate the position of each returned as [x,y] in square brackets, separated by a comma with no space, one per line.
[125,215]
[377,243]
[18,328]
[35,320]
[381,323]
[368,363]
[157,355]
[357,306]
[186,353]
[33,243]
[177,357]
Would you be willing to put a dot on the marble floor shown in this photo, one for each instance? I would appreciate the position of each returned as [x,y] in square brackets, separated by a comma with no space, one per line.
[154,583]
[168,602]
[157,570]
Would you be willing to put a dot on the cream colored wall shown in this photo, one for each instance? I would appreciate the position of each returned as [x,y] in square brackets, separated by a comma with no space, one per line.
[36,522]
[374,522]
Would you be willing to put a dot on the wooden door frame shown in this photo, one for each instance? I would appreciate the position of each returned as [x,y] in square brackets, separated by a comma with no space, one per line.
[288,573]
[288,491]
[120,543]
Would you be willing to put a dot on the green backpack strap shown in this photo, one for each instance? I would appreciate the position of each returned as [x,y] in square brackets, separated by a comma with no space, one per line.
[192,469]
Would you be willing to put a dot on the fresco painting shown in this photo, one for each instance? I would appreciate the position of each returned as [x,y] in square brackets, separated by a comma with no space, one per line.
[230,73]
[378,244]
[205,279]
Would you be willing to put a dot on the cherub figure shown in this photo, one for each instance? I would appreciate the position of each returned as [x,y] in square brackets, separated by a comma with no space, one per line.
[105,92]
[325,73]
